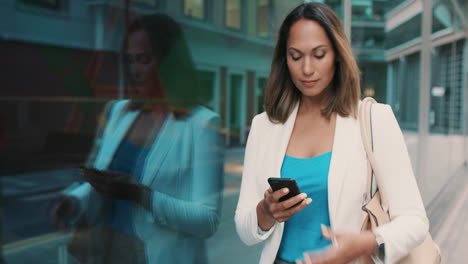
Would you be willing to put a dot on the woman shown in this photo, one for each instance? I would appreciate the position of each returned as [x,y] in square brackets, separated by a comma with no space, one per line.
[309,132]
[159,166]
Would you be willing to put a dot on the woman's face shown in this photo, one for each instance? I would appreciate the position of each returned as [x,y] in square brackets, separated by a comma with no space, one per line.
[310,57]
[141,64]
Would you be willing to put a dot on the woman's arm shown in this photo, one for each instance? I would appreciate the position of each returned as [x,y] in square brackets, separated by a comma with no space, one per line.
[74,200]
[199,215]
[246,217]
[82,191]
[409,224]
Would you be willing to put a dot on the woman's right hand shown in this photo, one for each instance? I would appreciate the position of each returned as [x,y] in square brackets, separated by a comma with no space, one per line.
[66,208]
[271,210]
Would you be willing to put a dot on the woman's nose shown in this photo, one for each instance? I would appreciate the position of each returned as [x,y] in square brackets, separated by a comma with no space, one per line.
[308,68]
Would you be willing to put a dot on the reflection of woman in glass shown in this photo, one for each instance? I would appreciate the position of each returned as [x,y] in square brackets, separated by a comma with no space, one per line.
[159,166]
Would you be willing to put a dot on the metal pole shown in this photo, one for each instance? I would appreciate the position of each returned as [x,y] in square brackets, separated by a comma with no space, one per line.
[465,100]
[424,89]
[347,18]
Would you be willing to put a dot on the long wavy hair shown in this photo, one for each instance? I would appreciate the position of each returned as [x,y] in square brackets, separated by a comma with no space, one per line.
[281,95]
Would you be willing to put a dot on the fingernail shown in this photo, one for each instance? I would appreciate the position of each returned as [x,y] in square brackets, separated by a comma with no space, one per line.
[306,258]
[324,229]
[303,196]
[308,201]
[285,190]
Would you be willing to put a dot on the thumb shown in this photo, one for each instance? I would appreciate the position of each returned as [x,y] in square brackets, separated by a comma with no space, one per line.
[326,232]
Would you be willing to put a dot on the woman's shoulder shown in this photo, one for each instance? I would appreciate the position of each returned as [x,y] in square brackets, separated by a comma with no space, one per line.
[383,118]
[380,109]
[262,120]
[203,115]
[382,112]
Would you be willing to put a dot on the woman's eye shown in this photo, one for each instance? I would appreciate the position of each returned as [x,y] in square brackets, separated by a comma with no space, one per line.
[319,56]
[295,58]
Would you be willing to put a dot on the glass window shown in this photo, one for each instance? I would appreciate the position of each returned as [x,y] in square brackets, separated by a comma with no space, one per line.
[204,94]
[259,92]
[233,14]
[48,4]
[404,33]
[263,18]
[194,8]
[406,91]
[394,3]
[379,9]
[442,17]
[151,3]
[336,5]
[447,88]
[193,89]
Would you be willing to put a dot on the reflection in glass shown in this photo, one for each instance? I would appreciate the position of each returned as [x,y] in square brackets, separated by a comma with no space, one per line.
[152,3]
[194,8]
[61,66]
[263,17]
[154,177]
[233,9]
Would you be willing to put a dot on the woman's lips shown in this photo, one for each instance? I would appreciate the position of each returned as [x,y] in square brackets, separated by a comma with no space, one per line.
[309,83]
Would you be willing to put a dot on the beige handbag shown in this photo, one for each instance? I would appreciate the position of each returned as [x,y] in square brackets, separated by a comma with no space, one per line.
[376,206]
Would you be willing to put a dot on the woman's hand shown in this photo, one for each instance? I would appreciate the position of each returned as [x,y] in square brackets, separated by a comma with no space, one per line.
[65,209]
[270,209]
[345,247]
[114,185]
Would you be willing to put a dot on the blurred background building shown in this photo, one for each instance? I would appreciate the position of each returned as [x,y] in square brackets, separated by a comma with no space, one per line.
[60,64]
[231,43]
[448,50]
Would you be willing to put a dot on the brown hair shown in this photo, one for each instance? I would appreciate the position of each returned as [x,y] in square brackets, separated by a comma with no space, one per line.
[281,96]
[172,54]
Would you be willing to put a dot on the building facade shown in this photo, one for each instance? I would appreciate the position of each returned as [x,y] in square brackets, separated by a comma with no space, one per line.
[70,50]
[449,50]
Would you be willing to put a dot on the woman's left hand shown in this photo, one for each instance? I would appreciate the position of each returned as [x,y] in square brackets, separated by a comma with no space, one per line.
[113,185]
[345,247]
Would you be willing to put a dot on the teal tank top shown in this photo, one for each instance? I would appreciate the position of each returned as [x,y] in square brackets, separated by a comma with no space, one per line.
[302,232]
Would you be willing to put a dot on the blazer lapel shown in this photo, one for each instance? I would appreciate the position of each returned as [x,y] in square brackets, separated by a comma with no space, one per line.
[113,139]
[284,134]
[341,152]
[167,136]
[342,148]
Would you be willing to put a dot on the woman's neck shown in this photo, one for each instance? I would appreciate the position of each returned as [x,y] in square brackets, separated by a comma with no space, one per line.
[312,106]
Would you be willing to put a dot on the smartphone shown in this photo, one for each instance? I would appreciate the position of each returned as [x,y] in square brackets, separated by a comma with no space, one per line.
[89,171]
[279,183]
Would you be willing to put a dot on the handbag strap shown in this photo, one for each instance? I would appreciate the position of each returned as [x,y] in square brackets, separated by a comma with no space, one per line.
[373,172]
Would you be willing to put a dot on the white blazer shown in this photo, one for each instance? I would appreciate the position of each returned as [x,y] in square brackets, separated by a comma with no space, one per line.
[347,182]
[184,171]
